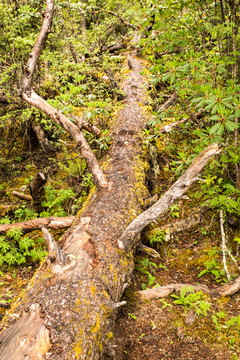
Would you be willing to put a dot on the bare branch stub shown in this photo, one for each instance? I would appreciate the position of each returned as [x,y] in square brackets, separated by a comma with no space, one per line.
[55,255]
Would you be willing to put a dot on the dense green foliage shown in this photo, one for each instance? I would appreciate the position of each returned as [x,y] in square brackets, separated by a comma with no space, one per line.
[193,48]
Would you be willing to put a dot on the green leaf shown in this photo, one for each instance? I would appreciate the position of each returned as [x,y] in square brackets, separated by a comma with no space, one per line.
[214,129]
[230,126]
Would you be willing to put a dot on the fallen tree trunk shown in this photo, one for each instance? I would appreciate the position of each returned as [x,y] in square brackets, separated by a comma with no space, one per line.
[68,310]
[55,223]
[69,307]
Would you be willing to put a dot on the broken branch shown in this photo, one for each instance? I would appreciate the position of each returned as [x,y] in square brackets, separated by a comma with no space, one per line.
[162,205]
[55,223]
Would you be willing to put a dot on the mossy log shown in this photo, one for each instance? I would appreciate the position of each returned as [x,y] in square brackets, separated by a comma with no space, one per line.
[70,308]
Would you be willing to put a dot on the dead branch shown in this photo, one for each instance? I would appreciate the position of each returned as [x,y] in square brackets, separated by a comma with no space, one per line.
[162,205]
[167,128]
[227,289]
[43,140]
[37,191]
[83,124]
[179,225]
[22,196]
[55,254]
[148,251]
[114,47]
[56,116]
[224,246]
[51,222]
[169,102]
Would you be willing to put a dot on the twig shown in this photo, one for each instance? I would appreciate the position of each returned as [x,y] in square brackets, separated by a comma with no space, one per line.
[224,246]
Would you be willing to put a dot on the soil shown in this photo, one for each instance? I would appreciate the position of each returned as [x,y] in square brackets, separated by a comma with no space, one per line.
[160,329]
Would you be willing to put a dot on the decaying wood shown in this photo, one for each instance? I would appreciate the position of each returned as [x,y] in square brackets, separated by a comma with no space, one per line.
[37,191]
[113,48]
[22,196]
[68,310]
[227,289]
[55,115]
[56,256]
[52,222]
[33,331]
[167,128]
[162,205]
[78,301]
[224,245]
[168,103]
[43,140]
[149,251]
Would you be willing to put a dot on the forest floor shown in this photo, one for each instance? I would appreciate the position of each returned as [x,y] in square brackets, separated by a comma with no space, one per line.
[161,329]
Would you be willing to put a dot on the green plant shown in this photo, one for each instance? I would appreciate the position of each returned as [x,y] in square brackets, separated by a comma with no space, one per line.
[16,249]
[157,237]
[146,267]
[56,201]
[212,266]
[191,299]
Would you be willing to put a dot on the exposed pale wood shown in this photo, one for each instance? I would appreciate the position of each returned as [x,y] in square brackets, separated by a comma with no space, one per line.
[149,251]
[22,196]
[52,222]
[162,205]
[179,225]
[33,331]
[227,289]
[167,128]
[164,291]
[224,245]
[55,254]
